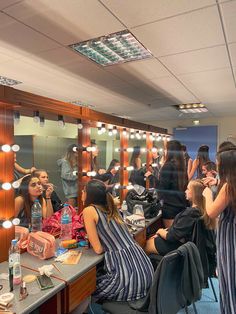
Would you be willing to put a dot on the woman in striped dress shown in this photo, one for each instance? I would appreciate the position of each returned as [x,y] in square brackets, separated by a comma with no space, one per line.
[128,271]
[225,206]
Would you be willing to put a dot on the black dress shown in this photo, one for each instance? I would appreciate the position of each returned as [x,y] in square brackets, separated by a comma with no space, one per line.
[180,231]
[174,200]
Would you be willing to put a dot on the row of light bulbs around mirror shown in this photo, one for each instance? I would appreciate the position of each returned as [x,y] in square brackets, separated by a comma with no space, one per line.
[8,223]
[112,130]
[142,150]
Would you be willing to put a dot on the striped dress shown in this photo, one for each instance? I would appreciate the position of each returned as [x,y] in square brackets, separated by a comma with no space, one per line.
[226,256]
[128,271]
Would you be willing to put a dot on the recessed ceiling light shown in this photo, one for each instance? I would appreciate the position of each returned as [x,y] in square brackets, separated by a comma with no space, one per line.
[113,49]
[8,82]
[191,108]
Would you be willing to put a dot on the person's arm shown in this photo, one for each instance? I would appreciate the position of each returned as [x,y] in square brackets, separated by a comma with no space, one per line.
[193,169]
[190,165]
[214,208]
[23,170]
[19,204]
[47,208]
[90,222]
[67,172]
[138,163]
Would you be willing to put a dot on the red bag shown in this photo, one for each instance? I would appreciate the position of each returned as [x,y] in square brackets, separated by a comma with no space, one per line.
[41,244]
[52,224]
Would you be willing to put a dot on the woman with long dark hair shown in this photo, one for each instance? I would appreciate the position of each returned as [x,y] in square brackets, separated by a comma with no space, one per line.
[225,206]
[128,271]
[201,159]
[30,190]
[172,182]
[187,160]
[135,159]
[68,165]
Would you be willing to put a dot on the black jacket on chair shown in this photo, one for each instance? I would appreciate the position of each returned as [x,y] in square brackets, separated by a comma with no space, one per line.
[178,280]
[204,240]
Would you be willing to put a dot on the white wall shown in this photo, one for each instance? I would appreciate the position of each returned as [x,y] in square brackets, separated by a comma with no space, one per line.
[226,126]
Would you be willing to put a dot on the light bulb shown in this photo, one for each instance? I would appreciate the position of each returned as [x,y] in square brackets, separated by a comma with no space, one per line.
[103,129]
[144,135]
[15,148]
[6,186]
[16,221]
[132,135]
[91,148]
[154,165]
[36,117]
[151,137]
[114,130]
[6,148]
[117,168]
[60,121]
[91,173]
[7,224]
[130,149]
[117,186]
[79,124]
[75,173]
[130,168]
[168,138]
[143,164]
[15,184]
[99,124]
[143,150]
[110,133]
[154,149]
[99,131]
[75,149]
[124,132]
[161,150]
[159,138]
[117,150]
[138,136]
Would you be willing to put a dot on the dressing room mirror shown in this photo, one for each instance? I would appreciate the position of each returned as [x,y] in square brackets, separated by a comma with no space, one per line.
[43,145]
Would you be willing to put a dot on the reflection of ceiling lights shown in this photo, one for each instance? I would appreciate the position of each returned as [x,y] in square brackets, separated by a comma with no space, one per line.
[112,49]
[191,108]
[196,122]
[8,82]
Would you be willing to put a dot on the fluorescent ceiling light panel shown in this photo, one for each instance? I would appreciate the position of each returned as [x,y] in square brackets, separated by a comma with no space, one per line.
[191,108]
[8,82]
[82,104]
[113,49]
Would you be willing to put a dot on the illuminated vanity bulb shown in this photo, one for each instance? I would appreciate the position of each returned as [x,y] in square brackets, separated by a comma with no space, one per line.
[75,173]
[117,150]
[91,148]
[6,186]
[16,221]
[132,135]
[36,117]
[154,165]
[99,131]
[79,124]
[110,133]
[75,149]
[144,135]
[6,148]
[16,184]
[130,149]
[143,150]
[117,168]
[124,132]
[91,173]
[15,148]
[129,168]
[114,130]
[7,224]
[154,150]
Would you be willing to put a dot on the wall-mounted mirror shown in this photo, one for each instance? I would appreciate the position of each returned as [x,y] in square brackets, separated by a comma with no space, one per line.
[46,145]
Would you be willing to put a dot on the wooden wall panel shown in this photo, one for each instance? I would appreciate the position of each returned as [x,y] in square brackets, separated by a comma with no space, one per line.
[6,175]
[149,146]
[124,162]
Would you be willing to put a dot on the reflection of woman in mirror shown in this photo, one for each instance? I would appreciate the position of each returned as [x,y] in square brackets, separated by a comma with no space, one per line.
[94,159]
[68,165]
[135,160]
[48,189]
[111,176]
[30,190]
[20,170]
[201,159]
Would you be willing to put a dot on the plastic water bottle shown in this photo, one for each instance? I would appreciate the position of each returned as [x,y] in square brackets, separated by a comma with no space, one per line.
[124,210]
[66,223]
[36,216]
[14,264]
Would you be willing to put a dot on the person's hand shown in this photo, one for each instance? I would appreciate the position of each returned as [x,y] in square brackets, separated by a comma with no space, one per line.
[101,171]
[147,174]
[49,190]
[209,181]
[207,193]
[162,232]
[32,169]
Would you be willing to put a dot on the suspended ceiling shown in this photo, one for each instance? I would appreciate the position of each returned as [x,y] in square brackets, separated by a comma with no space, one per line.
[193,45]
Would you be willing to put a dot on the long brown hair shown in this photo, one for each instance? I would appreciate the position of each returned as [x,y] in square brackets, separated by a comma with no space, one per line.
[197,187]
[136,154]
[71,156]
[24,193]
[174,154]
[227,173]
[203,157]
[96,194]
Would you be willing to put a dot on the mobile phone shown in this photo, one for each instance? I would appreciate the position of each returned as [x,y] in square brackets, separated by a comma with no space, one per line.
[44,282]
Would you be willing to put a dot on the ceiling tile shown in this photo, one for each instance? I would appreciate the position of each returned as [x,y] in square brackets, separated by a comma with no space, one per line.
[232,49]
[223,108]
[195,30]
[211,86]
[172,88]
[133,12]
[66,21]
[229,18]
[22,38]
[198,60]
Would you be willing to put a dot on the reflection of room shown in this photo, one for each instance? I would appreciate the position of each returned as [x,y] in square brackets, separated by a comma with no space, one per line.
[41,147]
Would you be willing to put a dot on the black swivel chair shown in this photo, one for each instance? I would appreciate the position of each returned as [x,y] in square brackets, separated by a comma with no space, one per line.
[172,289]
[204,239]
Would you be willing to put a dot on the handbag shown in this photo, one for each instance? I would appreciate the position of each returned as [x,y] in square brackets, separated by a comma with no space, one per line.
[148,198]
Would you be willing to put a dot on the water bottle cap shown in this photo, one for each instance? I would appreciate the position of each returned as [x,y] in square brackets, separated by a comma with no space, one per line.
[36,200]
[14,241]
[66,205]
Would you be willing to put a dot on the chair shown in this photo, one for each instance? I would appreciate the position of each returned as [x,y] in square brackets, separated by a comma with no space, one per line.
[204,239]
[168,293]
